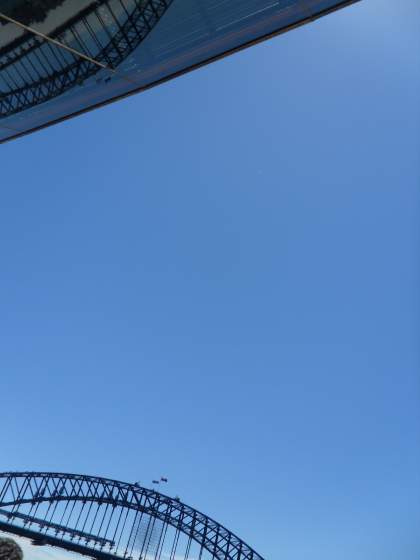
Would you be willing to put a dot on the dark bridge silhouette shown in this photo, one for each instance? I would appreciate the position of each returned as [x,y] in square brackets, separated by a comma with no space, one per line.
[108,520]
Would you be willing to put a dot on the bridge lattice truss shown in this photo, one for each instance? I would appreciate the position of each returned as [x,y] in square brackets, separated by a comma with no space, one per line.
[108,520]
[34,70]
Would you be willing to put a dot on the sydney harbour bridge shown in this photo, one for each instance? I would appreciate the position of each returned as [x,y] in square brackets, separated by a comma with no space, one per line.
[111,520]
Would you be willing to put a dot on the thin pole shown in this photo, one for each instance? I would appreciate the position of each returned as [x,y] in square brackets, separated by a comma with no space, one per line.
[54,41]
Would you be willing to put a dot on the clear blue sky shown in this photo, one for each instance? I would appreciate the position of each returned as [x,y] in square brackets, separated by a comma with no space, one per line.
[219,281]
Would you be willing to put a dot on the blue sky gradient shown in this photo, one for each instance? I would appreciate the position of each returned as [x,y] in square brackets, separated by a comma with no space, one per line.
[218,281]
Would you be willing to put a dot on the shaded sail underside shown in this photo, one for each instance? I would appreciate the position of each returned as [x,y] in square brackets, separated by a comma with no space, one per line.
[62,57]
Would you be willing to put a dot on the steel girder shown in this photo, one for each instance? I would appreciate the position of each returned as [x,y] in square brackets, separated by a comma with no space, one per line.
[33,488]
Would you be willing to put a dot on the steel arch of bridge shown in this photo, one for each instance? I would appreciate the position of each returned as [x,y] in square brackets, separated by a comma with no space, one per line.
[22,494]
[36,70]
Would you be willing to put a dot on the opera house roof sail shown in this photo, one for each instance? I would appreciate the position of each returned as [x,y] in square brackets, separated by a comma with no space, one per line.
[62,57]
